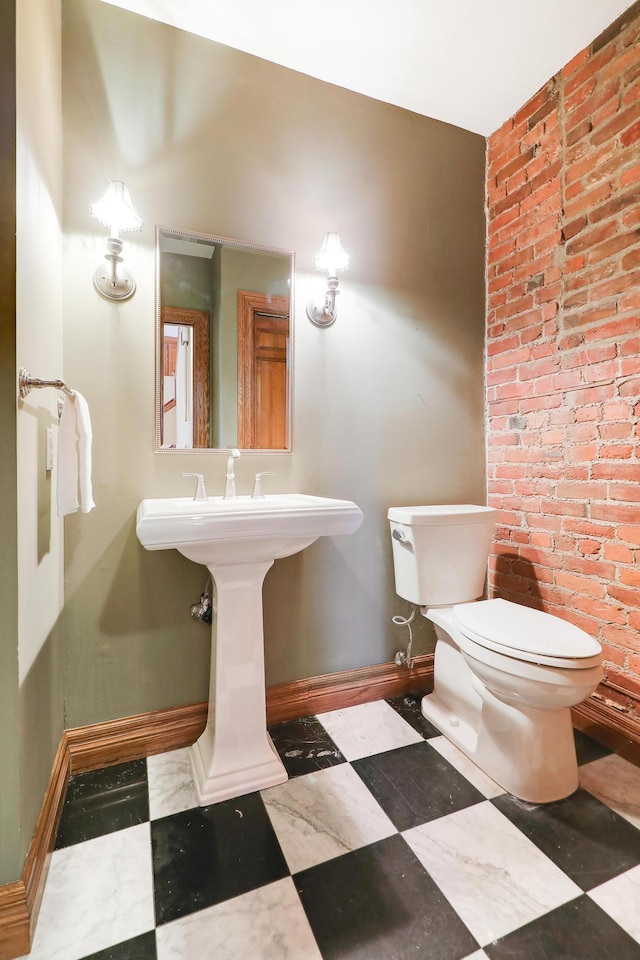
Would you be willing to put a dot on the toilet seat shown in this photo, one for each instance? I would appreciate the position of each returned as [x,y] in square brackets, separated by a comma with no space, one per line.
[523,633]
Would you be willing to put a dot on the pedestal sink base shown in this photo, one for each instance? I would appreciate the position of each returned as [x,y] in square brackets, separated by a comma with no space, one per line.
[235,755]
[222,781]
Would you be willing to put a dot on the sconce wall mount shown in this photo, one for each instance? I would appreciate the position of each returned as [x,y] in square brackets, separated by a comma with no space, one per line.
[110,281]
[116,211]
[331,258]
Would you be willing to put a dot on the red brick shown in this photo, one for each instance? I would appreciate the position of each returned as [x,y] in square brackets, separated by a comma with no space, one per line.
[632,175]
[581,491]
[630,301]
[631,578]
[617,285]
[504,172]
[631,260]
[614,329]
[627,596]
[587,164]
[612,654]
[618,553]
[590,567]
[583,585]
[624,119]
[612,246]
[616,451]
[630,534]
[619,202]
[609,612]
[616,512]
[592,237]
[614,431]
[632,135]
[624,491]
[617,471]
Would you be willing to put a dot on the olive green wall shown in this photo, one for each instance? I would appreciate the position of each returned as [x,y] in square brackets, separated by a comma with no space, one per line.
[388,401]
[31,574]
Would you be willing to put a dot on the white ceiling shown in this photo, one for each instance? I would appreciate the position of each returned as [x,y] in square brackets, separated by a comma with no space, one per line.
[472,63]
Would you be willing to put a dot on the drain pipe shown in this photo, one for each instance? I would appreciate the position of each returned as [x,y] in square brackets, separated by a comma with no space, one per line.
[205,607]
[403,658]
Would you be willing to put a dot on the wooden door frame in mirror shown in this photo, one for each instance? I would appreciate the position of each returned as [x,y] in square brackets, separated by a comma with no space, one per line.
[199,321]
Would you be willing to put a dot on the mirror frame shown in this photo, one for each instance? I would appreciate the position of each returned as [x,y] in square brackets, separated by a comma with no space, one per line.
[239,244]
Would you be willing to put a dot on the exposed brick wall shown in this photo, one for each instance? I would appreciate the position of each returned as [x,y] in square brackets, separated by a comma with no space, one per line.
[563,351]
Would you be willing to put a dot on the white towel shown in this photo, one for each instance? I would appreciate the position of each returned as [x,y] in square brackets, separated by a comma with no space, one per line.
[74,456]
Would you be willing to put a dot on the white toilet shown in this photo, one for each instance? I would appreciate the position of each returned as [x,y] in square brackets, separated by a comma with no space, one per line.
[505,676]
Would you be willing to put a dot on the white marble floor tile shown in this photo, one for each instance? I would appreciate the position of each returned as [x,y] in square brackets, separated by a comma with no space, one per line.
[487,787]
[171,787]
[620,898]
[615,782]
[265,924]
[493,876]
[98,893]
[367,729]
[323,815]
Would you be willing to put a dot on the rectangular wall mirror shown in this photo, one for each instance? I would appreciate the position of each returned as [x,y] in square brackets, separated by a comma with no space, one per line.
[224,344]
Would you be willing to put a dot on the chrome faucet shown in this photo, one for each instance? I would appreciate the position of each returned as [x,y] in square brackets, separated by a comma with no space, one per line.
[230,487]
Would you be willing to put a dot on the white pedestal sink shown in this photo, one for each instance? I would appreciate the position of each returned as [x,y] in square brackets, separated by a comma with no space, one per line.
[238,541]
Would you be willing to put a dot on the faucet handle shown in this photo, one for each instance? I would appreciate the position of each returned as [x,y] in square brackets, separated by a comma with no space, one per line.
[257,486]
[201,493]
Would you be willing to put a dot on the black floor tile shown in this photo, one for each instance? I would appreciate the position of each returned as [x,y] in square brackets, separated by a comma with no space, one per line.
[210,854]
[304,746]
[103,801]
[140,948]
[379,903]
[581,835]
[579,930]
[415,784]
[588,749]
[408,706]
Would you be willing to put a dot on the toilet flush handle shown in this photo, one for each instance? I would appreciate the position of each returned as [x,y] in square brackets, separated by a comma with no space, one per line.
[400,536]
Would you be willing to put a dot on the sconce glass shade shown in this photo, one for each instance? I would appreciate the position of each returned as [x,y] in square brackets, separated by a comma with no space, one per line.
[332,257]
[116,211]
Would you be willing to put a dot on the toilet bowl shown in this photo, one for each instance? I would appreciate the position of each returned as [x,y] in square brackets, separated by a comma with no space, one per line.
[505,676]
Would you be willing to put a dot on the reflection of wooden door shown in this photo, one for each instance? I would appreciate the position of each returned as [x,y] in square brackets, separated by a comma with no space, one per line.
[263,382]
[199,321]
[169,358]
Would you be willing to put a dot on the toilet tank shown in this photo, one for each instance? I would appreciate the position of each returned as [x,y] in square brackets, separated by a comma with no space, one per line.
[440,552]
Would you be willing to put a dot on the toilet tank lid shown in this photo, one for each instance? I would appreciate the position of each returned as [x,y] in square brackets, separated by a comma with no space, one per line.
[509,625]
[443,514]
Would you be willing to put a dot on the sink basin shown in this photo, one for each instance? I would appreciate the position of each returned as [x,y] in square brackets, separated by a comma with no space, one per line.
[239,540]
[245,529]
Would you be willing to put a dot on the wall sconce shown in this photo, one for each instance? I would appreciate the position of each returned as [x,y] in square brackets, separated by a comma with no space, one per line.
[331,258]
[116,211]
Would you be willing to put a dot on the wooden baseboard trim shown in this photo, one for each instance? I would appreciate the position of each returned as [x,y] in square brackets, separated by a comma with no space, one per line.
[618,731]
[130,738]
[303,698]
[20,901]
[15,935]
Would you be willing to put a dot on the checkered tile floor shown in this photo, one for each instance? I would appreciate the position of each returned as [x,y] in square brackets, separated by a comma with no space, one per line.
[385,844]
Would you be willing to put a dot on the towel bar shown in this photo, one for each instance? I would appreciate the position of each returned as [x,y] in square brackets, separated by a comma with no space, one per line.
[26,383]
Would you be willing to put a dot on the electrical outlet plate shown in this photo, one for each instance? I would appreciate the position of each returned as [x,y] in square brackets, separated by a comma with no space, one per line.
[49,449]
